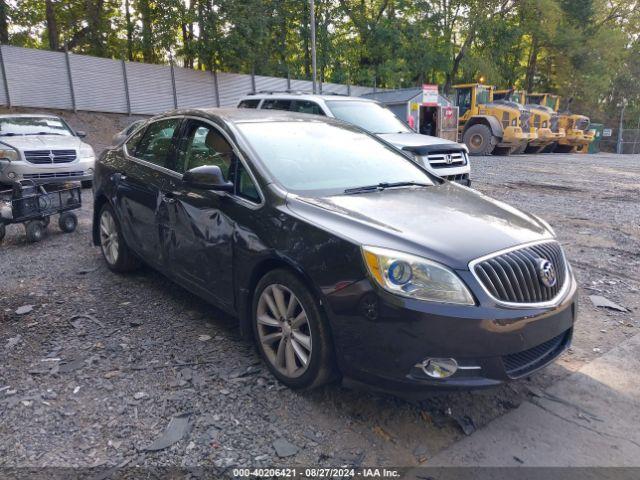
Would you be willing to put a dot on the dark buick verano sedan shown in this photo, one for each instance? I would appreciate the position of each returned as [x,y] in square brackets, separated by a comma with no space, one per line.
[338,254]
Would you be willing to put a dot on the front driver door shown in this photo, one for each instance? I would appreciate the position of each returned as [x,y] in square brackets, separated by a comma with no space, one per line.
[141,187]
[201,248]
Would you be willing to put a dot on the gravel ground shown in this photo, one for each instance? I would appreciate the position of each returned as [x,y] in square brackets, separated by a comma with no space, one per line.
[100,365]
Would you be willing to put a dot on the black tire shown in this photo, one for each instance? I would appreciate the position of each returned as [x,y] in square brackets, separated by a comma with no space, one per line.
[3,231]
[125,260]
[46,221]
[321,363]
[550,148]
[564,149]
[502,151]
[34,230]
[536,149]
[479,140]
[86,183]
[68,222]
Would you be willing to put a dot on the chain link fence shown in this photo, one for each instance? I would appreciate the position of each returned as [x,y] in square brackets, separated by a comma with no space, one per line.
[46,79]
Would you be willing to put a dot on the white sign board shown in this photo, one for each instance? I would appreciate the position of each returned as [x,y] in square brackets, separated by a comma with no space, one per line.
[607,132]
[430,95]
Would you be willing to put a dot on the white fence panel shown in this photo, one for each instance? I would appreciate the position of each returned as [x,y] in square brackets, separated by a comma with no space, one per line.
[37,78]
[232,87]
[194,88]
[98,84]
[150,88]
[334,88]
[270,84]
[301,86]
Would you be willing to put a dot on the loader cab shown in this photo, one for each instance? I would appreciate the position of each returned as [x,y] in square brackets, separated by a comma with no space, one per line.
[517,96]
[545,100]
[469,97]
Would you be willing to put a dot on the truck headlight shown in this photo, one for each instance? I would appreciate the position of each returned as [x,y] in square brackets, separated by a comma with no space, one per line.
[86,151]
[415,277]
[8,153]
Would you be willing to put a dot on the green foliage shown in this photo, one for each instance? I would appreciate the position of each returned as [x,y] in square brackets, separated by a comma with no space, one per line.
[586,50]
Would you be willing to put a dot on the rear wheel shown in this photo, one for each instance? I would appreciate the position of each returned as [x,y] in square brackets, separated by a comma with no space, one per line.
[34,230]
[68,222]
[479,140]
[115,251]
[291,333]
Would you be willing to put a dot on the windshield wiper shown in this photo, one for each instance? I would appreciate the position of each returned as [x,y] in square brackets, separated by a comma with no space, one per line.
[384,185]
[43,133]
[10,134]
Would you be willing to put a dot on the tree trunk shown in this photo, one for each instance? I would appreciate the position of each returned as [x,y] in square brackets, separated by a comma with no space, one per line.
[532,64]
[93,10]
[451,75]
[127,16]
[52,26]
[4,29]
[144,8]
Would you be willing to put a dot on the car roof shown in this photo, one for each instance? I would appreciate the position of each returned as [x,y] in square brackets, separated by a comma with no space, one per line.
[305,96]
[28,115]
[249,115]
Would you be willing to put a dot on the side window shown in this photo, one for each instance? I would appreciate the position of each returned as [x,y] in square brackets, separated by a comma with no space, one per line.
[156,143]
[306,106]
[253,103]
[463,100]
[277,104]
[245,187]
[132,143]
[202,144]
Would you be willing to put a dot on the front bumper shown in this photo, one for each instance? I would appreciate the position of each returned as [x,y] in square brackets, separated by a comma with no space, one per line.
[545,137]
[514,136]
[381,338]
[577,138]
[78,170]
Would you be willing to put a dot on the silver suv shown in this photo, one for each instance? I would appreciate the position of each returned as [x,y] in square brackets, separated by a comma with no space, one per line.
[441,157]
[43,148]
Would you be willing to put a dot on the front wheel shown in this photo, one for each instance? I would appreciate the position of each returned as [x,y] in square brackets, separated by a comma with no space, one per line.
[291,333]
[115,251]
[34,230]
[479,140]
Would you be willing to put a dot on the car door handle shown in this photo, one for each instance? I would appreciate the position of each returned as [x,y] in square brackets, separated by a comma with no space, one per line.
[118,177]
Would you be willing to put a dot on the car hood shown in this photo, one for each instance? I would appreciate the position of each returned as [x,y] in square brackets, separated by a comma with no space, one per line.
[448,223]
[413,141]
[42,142]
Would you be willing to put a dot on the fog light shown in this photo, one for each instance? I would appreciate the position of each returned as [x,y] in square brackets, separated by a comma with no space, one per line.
[439,367]
[11,175]
[90,171]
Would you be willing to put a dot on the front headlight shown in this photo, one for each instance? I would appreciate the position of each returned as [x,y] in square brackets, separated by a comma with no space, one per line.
[415,277]
[7,153]
[86,151]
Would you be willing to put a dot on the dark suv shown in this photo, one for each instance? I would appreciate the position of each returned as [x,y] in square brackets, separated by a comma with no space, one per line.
[338,254]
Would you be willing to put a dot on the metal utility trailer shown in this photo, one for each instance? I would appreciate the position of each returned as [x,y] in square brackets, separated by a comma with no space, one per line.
[33,205]
[434,115]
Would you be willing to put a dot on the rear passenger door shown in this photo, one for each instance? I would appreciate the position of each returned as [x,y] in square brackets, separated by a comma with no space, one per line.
[141,188]
[306,106]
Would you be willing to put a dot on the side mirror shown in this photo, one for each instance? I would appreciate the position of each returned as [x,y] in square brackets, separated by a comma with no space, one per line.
[81,133]
[207,177]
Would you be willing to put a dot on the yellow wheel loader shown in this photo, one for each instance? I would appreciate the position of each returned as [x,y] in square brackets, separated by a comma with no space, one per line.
[576,127]
[489,127]
[543,123]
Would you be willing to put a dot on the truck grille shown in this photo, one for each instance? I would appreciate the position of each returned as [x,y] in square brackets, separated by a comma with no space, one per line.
[522,363]
[536,121]
[505,119]
[515,276]
[32,176]
[446,159]
[525,120]
[47,157]
[554,123]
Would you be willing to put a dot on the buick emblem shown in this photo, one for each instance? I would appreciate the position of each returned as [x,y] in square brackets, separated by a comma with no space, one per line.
[448,159]
[546,272]
[51,156]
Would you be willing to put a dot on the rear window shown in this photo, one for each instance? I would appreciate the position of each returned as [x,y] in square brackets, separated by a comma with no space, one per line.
[253,103]
[277,104]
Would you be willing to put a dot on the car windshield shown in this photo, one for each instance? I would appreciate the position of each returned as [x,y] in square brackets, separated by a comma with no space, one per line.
[317,158]
[11,126]
[367,115]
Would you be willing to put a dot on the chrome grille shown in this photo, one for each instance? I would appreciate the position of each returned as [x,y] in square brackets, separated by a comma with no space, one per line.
[554,123]
[462,178]
[522,363]
[513,277]
[47,157]
[446,159]
[53,175]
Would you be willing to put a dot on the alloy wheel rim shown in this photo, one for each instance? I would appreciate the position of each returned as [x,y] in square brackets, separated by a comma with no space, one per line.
[284,331]
[476,140]
[109,237]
